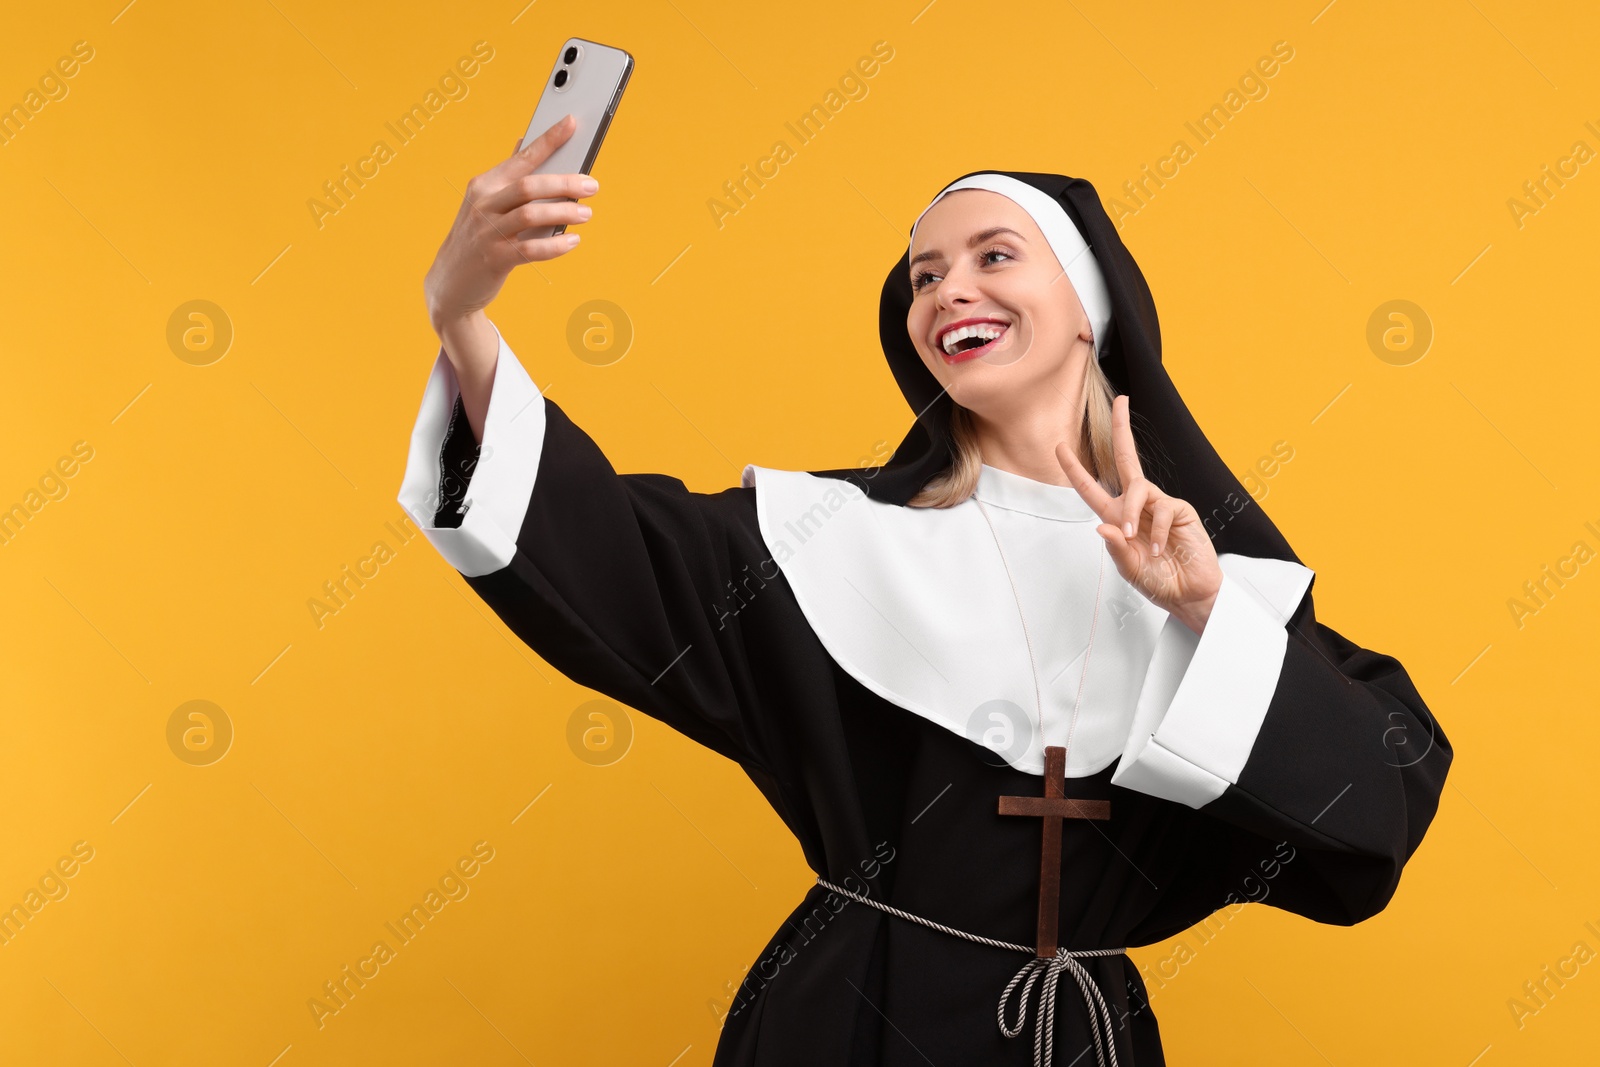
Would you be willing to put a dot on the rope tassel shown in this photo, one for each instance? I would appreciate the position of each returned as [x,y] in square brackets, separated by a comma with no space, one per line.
[1048,967]
[1044,1029]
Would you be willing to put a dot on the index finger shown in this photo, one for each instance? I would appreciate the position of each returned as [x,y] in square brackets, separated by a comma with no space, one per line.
[1092,492]
[1122,442]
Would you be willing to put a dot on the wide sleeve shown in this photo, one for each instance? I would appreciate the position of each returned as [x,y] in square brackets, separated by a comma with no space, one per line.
[610,578]
[1288,732]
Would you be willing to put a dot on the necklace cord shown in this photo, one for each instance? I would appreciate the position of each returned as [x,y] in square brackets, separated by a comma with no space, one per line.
[1028,640]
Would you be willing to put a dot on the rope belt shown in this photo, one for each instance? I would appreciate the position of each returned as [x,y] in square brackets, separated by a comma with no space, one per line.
[1044,1030]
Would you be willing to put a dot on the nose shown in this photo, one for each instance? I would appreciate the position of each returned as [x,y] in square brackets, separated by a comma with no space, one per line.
[957,287]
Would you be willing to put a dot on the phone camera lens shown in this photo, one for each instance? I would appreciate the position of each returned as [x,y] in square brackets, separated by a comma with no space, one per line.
[572,54]
[561,78]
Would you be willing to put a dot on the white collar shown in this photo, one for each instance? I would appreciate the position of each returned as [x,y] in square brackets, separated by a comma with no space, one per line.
[917,606]
[1015,492]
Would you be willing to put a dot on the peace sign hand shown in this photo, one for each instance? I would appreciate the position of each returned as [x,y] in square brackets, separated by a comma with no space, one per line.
[1167,556]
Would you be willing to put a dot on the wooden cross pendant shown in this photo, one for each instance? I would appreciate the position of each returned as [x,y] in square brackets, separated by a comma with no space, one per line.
[1054,806]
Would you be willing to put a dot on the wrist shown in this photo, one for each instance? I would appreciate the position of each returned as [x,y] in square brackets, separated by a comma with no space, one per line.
[454,321]
[472,344]
[1195,613]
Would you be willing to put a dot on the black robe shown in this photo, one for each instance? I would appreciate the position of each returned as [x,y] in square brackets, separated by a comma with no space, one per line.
[615,576]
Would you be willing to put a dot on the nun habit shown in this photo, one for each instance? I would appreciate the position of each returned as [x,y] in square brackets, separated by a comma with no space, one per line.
[880,671]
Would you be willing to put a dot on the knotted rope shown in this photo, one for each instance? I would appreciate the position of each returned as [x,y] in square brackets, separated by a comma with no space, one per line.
[1044,1030]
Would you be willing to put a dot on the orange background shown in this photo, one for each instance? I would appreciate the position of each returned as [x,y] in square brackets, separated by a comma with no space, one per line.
[619,910]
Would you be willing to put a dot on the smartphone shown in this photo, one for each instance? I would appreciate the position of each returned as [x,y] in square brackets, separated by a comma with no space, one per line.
[586,82]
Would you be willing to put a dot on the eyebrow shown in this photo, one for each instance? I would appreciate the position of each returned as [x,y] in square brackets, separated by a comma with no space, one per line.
[974,241]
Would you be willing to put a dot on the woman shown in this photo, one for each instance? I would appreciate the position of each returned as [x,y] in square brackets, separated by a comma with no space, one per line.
[911,660]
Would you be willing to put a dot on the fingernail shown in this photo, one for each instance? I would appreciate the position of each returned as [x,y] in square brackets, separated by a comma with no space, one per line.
[1127,528]
[572,239]
[1155,550]
[584,211]
[589,185]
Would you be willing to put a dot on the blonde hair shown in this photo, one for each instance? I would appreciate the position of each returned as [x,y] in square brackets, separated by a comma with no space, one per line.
[956,483]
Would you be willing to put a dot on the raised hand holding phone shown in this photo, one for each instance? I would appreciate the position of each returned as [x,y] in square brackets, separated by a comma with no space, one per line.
[517,211]
[486,242]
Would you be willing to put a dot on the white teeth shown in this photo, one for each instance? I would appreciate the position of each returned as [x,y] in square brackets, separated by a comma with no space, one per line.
[986,330]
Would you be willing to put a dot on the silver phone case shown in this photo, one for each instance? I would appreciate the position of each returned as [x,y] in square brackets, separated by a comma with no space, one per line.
[592,90]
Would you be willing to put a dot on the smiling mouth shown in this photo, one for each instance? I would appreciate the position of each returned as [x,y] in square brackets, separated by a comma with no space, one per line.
[970,342]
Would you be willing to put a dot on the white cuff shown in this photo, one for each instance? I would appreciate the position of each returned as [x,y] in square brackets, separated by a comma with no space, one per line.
[1205,696]
[502,481]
